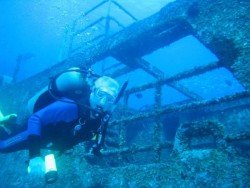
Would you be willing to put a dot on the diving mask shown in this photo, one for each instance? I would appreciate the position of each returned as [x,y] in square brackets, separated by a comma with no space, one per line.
[104,93]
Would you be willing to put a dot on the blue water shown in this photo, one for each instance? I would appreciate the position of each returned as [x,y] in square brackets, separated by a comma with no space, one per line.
[39,27]
[42,28]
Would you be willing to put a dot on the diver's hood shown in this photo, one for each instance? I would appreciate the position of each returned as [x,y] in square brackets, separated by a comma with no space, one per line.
[104,93]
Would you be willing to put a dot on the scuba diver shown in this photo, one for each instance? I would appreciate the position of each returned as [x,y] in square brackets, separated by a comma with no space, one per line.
[75,107]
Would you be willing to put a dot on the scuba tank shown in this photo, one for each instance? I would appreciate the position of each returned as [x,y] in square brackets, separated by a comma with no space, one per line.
[73,83]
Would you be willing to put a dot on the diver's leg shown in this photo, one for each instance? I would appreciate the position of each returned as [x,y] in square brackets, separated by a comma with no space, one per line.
[15,143]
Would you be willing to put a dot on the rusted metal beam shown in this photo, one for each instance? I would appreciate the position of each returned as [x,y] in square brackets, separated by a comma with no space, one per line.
[144,65]
[134,149]
[187,106]
[183,75]
[158,74]
[150,69]
[163,145]
[146,43]
[238,137]
[177,86]
[121,71]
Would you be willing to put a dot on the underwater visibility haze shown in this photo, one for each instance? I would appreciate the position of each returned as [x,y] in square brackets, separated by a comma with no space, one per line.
[124,93]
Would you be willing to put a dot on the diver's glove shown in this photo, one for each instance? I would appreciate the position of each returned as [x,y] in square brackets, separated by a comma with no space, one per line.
[36,167]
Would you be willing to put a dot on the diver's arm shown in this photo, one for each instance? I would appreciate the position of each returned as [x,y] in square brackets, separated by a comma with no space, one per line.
[52,115]
[28,139]
[34,138]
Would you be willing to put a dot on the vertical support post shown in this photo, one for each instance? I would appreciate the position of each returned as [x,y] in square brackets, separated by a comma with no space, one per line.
[107,21]
[124,10]
[122,136]
[157,125]
[122,133]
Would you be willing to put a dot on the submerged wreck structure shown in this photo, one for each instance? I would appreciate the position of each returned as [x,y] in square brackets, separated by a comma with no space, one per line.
[210,144]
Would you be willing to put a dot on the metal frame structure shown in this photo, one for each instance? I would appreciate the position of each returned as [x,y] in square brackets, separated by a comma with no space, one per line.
[108,18]
[195,102]
[231,102]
